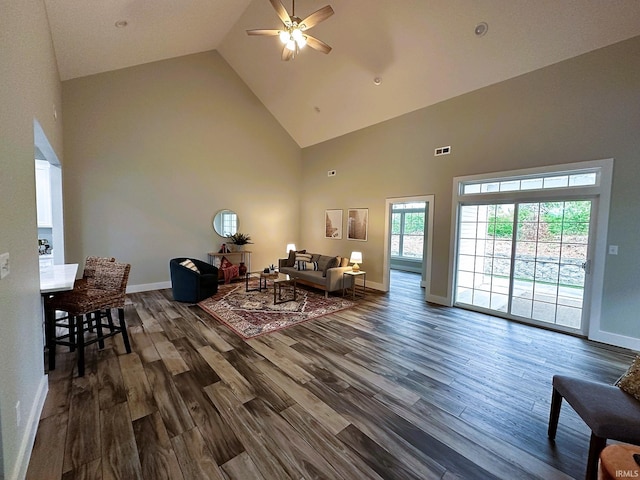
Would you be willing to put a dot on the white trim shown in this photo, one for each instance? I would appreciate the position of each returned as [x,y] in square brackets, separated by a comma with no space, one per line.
[616,339]
[146,287]
[426,262]
[603,193]
[444,301]
[29,438]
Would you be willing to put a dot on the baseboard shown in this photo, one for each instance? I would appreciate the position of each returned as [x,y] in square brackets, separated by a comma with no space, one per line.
[444,301]
[617,340]
[26,446]
[146,287]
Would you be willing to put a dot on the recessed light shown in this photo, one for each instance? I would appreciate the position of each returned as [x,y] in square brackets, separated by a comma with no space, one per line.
[481,29]
[121,23]
[377,81]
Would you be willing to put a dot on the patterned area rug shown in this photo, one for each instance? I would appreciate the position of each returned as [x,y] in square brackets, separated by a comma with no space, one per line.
[250,314]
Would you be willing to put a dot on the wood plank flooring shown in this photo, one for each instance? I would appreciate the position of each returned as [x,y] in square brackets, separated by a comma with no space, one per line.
[394,388]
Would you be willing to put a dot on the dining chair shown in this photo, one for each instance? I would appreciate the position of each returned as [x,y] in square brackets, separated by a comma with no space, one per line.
[88,274]
[87,307]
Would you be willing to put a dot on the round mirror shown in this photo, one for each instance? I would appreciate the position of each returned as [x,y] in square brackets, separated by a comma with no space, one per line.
[225,222]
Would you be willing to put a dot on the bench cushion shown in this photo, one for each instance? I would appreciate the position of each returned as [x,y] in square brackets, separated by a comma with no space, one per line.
[606,409]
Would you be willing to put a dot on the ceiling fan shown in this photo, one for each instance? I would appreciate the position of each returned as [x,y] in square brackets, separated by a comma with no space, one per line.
[294,36]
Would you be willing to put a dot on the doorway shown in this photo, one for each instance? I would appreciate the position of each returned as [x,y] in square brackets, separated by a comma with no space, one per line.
[48,172]
[408,239]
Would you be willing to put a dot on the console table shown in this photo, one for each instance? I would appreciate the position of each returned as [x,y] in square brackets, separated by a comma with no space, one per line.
[234,257]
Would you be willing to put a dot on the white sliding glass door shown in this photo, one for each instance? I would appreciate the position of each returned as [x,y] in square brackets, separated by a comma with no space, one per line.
[526,260]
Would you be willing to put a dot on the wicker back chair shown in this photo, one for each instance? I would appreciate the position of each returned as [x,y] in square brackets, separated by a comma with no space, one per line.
[91,263]
[87,306]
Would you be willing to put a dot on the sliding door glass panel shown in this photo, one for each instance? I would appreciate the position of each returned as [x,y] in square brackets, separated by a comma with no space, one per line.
[525,259]
[484,247]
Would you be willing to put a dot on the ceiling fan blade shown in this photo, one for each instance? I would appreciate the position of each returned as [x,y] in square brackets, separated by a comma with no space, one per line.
[316,17]
[287,54]
[316,44]
[263,32]
[281,11]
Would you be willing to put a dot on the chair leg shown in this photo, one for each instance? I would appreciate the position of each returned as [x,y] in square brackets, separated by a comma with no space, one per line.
[554,414]
[123,326]
[596,445]
[72,333]
[78,321]
[50,329]
[98,323]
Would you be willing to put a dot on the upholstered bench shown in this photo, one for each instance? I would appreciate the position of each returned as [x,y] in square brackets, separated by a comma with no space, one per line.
[607,410]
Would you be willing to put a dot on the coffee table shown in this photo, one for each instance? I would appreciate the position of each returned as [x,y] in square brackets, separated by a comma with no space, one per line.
[279,280]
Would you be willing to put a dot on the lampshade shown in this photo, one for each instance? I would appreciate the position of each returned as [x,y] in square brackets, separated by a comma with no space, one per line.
[356,258]
[291,246]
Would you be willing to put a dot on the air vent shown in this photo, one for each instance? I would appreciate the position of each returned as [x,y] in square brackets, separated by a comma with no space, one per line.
[442,151]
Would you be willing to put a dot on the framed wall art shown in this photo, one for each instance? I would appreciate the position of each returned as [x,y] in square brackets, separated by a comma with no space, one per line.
[357,224]
[333,224]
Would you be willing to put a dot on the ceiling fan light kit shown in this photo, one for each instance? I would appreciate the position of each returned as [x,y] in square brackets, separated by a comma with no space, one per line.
[294,36]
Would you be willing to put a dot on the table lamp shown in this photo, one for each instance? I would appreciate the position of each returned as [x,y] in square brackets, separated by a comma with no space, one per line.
[291,246]
[356,258]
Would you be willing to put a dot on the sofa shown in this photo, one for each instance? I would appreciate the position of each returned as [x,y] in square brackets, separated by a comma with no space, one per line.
[192,280]
[317,270]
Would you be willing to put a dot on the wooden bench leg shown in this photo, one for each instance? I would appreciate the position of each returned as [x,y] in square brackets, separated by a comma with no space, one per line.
[554,414]
[596,445]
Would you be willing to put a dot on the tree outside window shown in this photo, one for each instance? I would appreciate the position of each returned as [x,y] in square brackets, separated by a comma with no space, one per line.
[407,230]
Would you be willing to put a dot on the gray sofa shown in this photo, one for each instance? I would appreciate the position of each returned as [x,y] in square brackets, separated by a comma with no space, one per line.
[317,270]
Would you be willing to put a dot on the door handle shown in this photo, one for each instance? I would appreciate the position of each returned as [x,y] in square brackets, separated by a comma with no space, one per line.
[586,266]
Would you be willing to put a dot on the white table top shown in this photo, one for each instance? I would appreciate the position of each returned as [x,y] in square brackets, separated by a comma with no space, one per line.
[56,278]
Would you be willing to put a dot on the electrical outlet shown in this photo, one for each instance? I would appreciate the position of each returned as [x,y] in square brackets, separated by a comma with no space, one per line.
[613,249]
[331,173]
[18,414]
[4,265]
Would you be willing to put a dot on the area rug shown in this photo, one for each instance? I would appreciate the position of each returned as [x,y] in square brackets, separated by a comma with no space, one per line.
[250,314]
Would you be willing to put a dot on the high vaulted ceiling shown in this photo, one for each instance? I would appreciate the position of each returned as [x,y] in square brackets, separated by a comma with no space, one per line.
[424,51]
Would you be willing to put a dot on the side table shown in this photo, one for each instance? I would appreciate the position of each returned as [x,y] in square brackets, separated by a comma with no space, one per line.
[353,276]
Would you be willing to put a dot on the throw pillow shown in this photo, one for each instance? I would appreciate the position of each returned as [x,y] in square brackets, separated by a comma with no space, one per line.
[629,382]
[333,263]
[307,266]
[190,265]
[303,257]
[291,260]
[344,262]
[225,263]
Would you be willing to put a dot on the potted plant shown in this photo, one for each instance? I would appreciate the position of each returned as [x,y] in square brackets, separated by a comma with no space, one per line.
[239,240]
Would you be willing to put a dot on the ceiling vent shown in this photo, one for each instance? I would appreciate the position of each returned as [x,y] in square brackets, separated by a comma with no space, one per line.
[442,151]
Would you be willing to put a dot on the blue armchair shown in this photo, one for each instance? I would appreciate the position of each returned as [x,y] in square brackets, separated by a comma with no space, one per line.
[192,286]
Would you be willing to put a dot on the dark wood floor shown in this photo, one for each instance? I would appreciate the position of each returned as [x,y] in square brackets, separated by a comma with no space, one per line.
[393,388]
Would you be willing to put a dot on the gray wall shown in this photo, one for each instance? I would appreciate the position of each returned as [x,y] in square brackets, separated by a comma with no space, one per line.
[586,108]
[29,89]
[153,151]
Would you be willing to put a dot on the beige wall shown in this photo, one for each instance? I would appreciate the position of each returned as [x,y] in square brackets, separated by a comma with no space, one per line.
[29,89]
[586,108]
[153,151]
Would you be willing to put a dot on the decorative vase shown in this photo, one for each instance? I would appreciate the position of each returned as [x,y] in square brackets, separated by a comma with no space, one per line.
[239,248]
[242,269]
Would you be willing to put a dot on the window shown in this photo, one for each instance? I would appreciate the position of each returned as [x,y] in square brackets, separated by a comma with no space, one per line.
[407,230]
[536,182]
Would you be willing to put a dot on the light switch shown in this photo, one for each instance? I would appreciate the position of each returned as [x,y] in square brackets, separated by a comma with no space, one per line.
[4,265]
[613,249]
